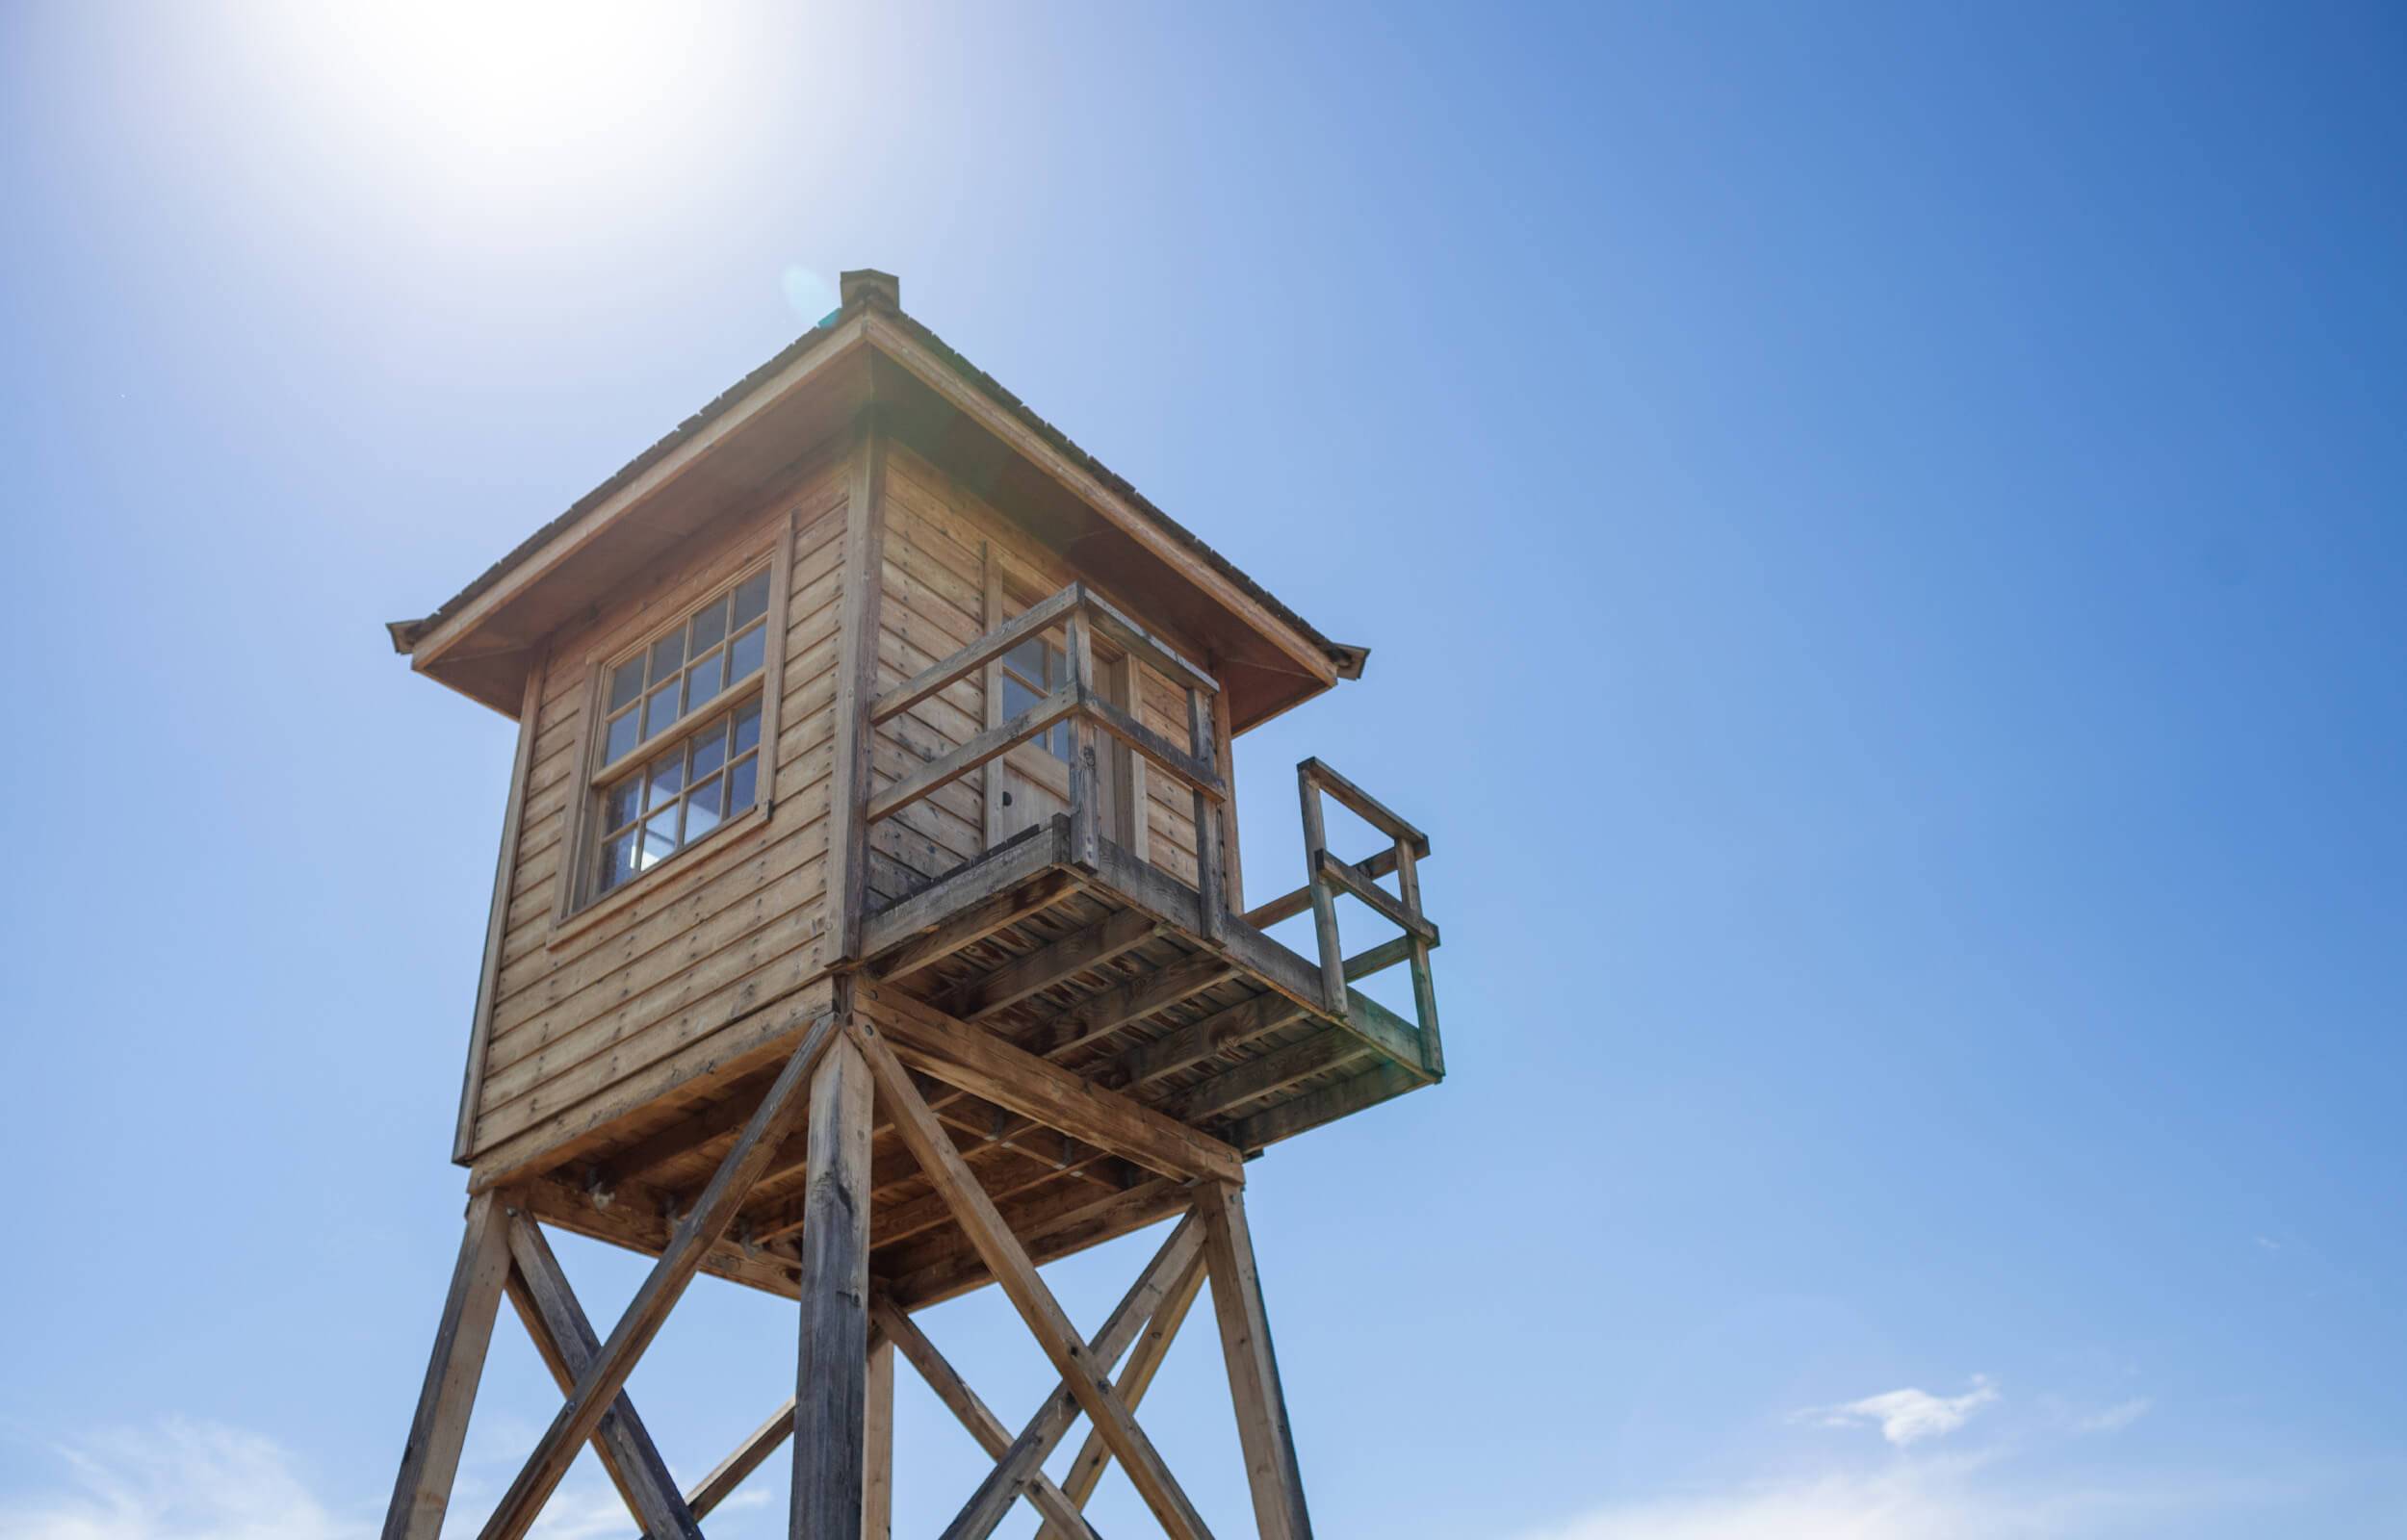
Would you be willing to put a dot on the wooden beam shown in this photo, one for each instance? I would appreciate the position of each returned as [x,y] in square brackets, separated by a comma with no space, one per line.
[980,1062]
[1416,947]
[1021,859]
[1273,1071]
[991,744]
[1062,1233]
[983,918]
[1348,876]
[973,1412]
[598,1387]
[1197,773]
[1042,616]
[504,874]
[741,1461]
[1181,1254]
[1378,814]
[1324,1106]
[856,685]
[1145,1361]
[1287,905]
[430,1458]
[1122,931]
[1102,1014]
[1262,1429]
[565,1341]
[1199,1039]
[1086,1374]
[877,1446]
[831,1386]
[1211,888]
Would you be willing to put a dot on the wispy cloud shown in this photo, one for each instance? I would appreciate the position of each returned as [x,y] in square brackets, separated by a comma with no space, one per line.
[185,1480]
[176,1480]
[2114,1419]
[1907,1416]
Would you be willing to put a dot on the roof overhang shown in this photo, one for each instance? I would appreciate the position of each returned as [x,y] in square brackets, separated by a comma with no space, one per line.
[800,405]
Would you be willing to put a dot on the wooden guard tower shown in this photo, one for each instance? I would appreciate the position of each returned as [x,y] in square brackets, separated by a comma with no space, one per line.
[868,928]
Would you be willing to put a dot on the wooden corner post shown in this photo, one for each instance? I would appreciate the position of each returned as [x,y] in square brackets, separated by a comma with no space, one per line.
[856,685]
[832,1371]
[1271,1467]
[430,1459]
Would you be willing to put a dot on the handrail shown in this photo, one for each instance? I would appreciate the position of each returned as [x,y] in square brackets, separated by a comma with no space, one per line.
[1326,876]
[1080,611]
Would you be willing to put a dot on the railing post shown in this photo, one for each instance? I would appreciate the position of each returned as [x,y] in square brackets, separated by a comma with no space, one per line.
[1324,902]
[1079,649]
[1210,877]
[1424,986]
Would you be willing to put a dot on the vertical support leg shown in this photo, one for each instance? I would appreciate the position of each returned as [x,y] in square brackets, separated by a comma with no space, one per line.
[831,1382]
[877,1451]
[1270,1459]
[1324,902]
[1085,788]
[422,1489]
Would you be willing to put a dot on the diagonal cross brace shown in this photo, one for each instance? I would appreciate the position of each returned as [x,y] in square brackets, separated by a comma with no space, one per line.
[1086,1375]
[565,1341]
[1146,1301]
[597,1388]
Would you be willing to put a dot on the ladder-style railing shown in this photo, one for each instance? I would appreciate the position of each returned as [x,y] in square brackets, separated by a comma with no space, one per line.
[1080,615]
[1326,876]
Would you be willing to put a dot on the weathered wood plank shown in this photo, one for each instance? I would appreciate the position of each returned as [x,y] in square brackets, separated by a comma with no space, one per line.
[1048,966]
[1145,1361]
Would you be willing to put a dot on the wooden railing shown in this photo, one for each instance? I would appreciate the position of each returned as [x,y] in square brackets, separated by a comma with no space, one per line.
[1080,615]
[1326,876]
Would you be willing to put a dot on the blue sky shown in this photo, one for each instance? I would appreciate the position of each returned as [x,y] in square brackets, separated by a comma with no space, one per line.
[1881,532]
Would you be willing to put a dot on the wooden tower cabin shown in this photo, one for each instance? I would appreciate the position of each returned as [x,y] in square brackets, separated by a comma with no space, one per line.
[868,929]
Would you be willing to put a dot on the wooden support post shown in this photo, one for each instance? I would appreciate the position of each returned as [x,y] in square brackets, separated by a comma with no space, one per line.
[430,1459]
[856,688]
[1086,786]
[1324,902]
[831,1385]
[1144,1302]
[598,1387]
[1416,948]
[1270,1460]
[1210,876]
[564,1340]
[877,1446]
[1145,1361]
[1088,1377]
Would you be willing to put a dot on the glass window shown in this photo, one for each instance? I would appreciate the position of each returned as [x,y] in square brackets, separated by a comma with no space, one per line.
[1031,670]
[672,769]
[684,671]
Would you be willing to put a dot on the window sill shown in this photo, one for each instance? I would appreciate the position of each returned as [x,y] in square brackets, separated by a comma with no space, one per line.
[631,895]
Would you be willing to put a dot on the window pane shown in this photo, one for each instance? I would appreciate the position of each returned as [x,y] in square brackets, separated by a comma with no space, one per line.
[618,862]
[709,627]
[702,680]
[625,683]
[620,736]
[739,788]
[702,808]
[1027,659]
[1057,739]
[622,803]
[660,837]
[744,654]
[748,728]
[660,709]
[1016,696]
[667,654]
[752,598]
[666,774]
[710,750]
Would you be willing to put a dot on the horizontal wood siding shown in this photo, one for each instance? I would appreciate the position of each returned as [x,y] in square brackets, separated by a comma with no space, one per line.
[593,1018]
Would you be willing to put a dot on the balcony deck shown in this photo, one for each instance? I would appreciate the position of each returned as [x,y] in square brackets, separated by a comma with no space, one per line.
[1095,1035]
